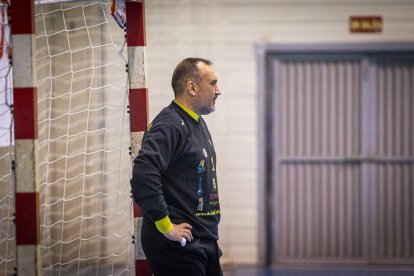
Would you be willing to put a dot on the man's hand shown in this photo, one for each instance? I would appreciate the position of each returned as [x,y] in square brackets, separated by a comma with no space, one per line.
[180,231]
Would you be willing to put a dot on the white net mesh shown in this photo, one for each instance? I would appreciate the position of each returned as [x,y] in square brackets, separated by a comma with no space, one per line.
[83,154]
[7,228]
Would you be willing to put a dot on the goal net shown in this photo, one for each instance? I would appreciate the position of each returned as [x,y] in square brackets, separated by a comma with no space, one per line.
[7,229]
[83,140]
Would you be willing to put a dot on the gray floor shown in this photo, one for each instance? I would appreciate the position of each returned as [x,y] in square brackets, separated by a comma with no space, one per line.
[255,271]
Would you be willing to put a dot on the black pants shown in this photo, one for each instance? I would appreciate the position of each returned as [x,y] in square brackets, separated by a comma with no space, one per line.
[201,257]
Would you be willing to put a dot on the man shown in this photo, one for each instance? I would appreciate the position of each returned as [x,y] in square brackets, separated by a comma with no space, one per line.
[174,179]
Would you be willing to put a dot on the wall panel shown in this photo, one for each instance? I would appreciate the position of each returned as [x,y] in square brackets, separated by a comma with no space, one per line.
[317,191]
[342,177]
[394,160]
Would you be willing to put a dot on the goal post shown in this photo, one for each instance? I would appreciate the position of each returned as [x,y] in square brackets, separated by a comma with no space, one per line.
[78,79]
[138,100]
[25,139]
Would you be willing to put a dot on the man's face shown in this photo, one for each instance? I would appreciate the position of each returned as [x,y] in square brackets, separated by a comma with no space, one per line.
[208,90]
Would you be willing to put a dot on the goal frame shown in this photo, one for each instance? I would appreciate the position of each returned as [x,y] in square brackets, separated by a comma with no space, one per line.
[27,215]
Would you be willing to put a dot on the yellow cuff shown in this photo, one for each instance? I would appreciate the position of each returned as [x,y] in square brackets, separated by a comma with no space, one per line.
[164,225]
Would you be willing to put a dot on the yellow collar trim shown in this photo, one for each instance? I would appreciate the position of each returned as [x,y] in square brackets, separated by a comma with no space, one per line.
[193,115]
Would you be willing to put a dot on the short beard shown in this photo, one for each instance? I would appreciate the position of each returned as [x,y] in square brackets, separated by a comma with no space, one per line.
[206,110]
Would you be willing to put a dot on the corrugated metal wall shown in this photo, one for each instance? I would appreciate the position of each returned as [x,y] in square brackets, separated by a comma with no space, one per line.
[393,167]
[344,162]
[225,31]
[318,192]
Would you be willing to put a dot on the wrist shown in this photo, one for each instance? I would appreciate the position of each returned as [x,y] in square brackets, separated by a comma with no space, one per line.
[164,225]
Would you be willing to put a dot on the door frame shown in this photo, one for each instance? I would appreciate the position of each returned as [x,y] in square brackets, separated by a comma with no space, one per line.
[265,56]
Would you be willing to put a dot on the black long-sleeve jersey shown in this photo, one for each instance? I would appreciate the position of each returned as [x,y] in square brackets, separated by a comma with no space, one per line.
[174,173]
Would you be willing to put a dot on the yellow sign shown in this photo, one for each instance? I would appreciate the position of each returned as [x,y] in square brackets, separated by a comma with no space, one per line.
[365,24]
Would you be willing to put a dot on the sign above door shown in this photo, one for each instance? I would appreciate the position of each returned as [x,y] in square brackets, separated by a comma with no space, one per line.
[365,24]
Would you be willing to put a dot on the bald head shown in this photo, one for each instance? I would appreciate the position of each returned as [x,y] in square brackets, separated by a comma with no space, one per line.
[187,70]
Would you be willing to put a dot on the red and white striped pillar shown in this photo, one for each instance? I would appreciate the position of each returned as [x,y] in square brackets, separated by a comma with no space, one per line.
[25,133]
[138,106]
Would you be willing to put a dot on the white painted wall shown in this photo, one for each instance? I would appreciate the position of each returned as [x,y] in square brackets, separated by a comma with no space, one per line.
[225,31]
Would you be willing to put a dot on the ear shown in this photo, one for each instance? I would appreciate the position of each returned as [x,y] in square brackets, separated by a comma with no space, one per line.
[192,88]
